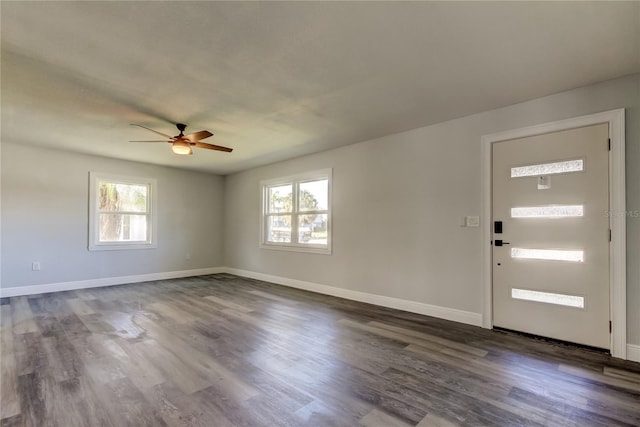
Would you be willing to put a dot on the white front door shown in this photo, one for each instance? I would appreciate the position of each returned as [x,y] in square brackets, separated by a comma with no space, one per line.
[551,235]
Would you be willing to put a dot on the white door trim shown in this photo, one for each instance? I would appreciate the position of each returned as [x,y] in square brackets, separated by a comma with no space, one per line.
[617,206]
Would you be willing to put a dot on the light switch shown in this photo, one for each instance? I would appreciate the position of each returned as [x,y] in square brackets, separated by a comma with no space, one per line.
[473,221]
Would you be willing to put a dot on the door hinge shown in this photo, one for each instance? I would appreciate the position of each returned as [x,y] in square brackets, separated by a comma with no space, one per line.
[609,234]
[609,144]
[610,326]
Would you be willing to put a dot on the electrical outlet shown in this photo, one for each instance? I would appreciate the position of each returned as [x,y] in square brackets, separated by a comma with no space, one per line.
[35,266]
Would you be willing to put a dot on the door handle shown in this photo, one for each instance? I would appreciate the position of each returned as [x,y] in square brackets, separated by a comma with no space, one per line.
[500,243]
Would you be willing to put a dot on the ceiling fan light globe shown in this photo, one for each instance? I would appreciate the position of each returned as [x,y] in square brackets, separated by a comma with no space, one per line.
[181,147]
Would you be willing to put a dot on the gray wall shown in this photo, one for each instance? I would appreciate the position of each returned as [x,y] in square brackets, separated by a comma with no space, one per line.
[397,201]
[45,218]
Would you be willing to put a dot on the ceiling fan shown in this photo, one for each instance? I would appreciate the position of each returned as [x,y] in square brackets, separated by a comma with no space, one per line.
[181,143]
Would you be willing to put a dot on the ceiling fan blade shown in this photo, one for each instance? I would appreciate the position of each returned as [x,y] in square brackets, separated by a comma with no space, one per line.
[151,141]
[197,136]
[212,147]
[154,131]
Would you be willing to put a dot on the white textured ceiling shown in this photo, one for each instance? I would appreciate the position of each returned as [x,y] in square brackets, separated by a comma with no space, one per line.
[275,80]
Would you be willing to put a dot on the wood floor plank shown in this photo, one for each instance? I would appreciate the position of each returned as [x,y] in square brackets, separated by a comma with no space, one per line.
[469,393]
[129,355]
[32,400]
[79,307]
[22,316]
[229,304]
[201,364]
[66,403]
[224,351]
[62,360]
[165,408]
[194,410]
[14,421]
[626,383]
[270,296]
[511,376]
[570,414]
[317,413]
[622,374]
[97,361]
[123,324]
[175,314]
[132,408]
[432,339]
[431,420]
[84,295]
[9,401]
[96,324]
[171,367]
[377,418]
[29,353]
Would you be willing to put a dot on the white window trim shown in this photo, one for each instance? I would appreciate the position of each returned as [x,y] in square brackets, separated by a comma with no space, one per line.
[94,243]
[296,179]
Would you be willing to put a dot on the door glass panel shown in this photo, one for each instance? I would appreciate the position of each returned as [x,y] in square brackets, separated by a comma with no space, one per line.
[548,168]
[556,211]
[548,297]
[548,254]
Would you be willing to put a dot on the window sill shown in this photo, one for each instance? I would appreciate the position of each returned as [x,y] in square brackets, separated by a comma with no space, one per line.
[297,248]
[121,246]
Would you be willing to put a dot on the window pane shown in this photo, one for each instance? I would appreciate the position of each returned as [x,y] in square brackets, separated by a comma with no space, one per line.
[123,228]
[122,197]
[279,228]
[547,211]
[280,198]
[314,195]
[548,297]
[548,168]
[548,254]
[312,229]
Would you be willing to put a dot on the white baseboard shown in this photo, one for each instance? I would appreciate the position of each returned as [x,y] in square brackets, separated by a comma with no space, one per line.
[453,314]
[106,281]
[633,352]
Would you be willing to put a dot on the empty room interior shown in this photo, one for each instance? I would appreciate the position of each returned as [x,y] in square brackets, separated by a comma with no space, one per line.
[320,214]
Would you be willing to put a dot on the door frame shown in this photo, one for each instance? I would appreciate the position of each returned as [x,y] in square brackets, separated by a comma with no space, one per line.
[617,223]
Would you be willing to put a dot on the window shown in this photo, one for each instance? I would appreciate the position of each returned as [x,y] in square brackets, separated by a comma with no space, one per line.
[121,212]
[296,213]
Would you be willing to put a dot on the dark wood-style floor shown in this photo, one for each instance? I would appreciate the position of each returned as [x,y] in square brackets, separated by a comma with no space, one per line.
[221,350]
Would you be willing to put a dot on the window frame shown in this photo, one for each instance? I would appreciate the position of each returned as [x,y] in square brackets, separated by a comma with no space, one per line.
[295,181]
[94,213]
